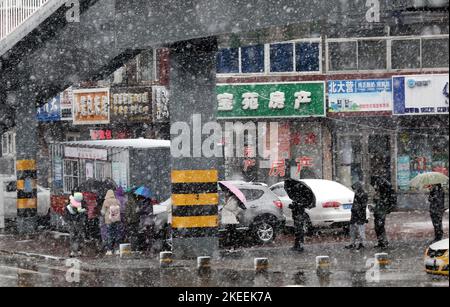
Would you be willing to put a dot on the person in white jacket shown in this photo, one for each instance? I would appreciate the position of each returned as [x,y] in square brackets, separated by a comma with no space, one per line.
[230,218]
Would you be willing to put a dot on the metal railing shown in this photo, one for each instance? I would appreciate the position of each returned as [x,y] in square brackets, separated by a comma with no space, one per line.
[13,13]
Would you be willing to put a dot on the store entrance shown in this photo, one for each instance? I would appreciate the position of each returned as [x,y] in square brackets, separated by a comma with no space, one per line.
[380,156]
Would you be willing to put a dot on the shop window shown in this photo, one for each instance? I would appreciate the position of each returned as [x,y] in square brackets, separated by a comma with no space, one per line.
[102,171]
[253,59]
[307,57]
[228,61]
[71,175]
[281,57]
[435,53]
[406,54]
[372,55]
[342,56]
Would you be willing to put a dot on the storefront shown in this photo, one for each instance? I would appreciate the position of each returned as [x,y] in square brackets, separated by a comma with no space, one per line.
[364,135]
[421,108]
[282,128]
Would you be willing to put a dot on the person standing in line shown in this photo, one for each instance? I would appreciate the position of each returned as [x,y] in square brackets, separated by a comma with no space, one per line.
[385,202]
[437,209]
[75,217]
[111,212]
[359,217]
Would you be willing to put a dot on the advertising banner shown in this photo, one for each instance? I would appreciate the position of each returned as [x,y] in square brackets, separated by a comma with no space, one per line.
[131,105]
[91,106]
[160,97]
[360,95]
[271,100]
[51,111]
[67,105]
[421,95]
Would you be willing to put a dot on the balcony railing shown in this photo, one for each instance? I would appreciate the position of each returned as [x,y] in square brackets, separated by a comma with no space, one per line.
[13,13]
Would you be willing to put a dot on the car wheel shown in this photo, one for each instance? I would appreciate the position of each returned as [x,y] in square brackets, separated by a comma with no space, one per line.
[264,231]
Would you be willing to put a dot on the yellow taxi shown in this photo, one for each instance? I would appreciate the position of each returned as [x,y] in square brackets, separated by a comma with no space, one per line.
[436,258]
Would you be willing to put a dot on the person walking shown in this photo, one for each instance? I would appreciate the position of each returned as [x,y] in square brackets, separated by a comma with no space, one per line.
[359,217]
[385,202]
[132,220]
[111,212]
[298,215]
[75,218]
[437,209]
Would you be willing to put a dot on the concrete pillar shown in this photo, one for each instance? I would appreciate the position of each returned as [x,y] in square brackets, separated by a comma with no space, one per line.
[26,154]
[194,175]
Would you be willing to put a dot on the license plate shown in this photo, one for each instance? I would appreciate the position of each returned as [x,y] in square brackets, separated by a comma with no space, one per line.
[348,207]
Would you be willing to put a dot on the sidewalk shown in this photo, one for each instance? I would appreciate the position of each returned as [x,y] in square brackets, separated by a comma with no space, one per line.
[54,246]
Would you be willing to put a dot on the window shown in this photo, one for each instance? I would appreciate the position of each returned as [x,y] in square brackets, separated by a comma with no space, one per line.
[435,53]
[280,192]
[8,144]
[253,59]
[372,55]
[102,171]
[147,66]
[71,175]
[281,57]
[343,56]
[252,195]
[228,61]
[118,76]
[285,57]
[307,57]
[406,54]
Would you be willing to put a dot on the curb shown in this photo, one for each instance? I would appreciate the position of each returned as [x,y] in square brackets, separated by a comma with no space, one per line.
[33,255]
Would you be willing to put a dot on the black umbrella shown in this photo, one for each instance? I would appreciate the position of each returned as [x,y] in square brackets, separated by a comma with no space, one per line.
[300,193]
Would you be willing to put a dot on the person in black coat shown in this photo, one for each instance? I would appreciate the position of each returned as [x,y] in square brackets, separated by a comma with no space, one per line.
[359,217]
[75,218]
[385,202]
[437,209]
[303,201]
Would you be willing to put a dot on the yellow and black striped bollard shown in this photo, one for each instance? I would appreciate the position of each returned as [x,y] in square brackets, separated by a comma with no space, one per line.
[26,193]
[195,202]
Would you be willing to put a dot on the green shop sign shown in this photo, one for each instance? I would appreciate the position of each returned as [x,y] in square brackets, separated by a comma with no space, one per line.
[299,99]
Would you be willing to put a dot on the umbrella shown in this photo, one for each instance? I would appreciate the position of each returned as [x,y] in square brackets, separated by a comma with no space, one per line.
[144,192]
[427,179]
[228,186]
[299,192]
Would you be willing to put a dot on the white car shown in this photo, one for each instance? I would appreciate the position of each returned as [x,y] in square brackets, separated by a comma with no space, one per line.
[8,198]
[333,200]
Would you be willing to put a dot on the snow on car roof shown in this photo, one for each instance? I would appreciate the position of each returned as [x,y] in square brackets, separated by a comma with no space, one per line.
[326,190]
[125,143]
[441,245]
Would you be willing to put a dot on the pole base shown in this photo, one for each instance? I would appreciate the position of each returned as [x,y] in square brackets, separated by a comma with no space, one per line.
[26,225]
[191,248]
